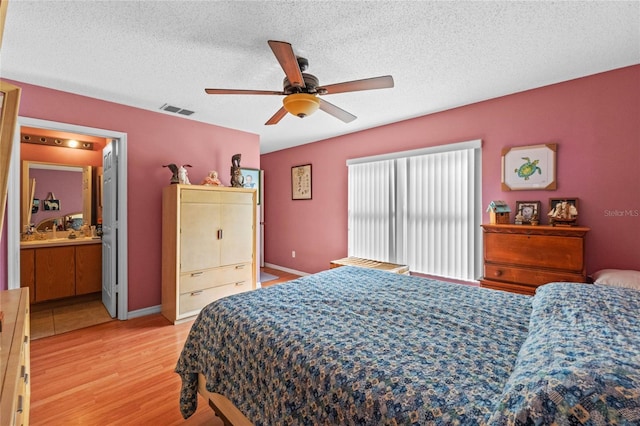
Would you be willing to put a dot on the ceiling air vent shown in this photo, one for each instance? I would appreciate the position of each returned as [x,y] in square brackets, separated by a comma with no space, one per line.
[176,110]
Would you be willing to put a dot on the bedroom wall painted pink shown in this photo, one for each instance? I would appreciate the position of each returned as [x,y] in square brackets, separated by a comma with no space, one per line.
[153,139]
[594,120]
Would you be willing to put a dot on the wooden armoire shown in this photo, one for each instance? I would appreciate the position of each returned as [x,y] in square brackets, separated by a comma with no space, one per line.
[208,246]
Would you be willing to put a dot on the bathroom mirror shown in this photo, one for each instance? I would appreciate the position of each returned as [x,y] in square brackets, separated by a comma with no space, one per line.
[65,190]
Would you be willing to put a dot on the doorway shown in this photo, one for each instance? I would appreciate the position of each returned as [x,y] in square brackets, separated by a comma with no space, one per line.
[115,285]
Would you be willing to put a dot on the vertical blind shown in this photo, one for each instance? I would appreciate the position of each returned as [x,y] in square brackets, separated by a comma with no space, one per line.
[420,208]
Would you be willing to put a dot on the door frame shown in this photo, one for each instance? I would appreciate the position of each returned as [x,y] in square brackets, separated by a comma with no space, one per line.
[13,204]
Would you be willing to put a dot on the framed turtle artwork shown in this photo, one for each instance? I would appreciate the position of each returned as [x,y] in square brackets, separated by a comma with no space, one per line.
[529,167]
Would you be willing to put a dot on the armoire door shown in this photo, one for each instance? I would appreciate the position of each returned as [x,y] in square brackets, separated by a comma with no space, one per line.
[200,226]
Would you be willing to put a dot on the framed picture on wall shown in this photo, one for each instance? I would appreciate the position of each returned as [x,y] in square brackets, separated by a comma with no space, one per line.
[301,182]
[529,167]
[252,180]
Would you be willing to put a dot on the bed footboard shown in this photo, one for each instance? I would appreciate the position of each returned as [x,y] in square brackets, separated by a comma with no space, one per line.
[222,407]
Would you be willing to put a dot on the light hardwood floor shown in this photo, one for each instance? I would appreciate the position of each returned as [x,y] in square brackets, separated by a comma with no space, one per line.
[116,373]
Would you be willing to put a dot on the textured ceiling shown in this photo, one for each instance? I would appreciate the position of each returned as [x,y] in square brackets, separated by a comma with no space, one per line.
[441,54]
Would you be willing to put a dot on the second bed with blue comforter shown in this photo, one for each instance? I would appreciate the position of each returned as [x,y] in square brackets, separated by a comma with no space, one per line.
[355,346]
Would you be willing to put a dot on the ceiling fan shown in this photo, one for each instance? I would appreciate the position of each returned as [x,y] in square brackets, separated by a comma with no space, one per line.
[302,91]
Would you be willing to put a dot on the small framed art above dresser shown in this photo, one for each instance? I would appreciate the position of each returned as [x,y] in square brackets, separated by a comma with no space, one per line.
[520,258]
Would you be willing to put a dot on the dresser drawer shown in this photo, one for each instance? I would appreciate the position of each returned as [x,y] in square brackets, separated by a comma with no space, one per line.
[551,252]
[528,276]
[197,300]
[200,280]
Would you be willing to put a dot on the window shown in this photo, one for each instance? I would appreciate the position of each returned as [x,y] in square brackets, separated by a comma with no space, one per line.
[420,208]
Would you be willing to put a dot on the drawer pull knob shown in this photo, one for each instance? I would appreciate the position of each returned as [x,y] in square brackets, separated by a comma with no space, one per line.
[196,293]
[239,266]
[498,273]
[196,274]
[239,283]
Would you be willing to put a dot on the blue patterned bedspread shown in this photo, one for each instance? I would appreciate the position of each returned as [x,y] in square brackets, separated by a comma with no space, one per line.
[354,346]
[358,346]
[580,364]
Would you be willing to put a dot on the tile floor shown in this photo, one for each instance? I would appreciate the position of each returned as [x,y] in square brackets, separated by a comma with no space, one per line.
[51,318]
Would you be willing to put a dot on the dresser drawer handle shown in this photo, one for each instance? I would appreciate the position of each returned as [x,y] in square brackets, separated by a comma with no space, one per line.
[196,293]
[497,273]
[239,283]
[239,266]
[196,274]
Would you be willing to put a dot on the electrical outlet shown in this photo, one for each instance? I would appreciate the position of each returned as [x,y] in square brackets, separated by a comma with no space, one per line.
[293,253]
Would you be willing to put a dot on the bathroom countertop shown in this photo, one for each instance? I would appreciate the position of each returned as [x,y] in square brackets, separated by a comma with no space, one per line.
[57,242]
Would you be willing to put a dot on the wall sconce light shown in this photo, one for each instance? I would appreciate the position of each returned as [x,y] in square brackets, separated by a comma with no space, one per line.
[63,143]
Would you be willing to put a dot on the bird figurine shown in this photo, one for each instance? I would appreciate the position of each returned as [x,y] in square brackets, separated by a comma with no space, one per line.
[174,170]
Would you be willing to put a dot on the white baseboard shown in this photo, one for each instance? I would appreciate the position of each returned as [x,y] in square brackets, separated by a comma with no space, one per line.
[145,311]
[282,268]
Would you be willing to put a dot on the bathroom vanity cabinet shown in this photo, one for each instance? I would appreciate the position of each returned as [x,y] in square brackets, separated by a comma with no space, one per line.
[56,271]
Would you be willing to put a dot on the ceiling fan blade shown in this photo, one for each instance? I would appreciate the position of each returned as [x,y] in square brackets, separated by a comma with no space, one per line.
[337,112]
[241,92]
[288,62]
[383,82]
[276,117]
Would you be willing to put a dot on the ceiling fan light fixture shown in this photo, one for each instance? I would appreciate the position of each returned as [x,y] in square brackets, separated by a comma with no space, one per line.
[301,104]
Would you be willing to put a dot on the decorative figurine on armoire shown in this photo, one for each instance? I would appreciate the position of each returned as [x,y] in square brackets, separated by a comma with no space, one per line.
[183,176]
[179,174]
[237,180]
[212,179]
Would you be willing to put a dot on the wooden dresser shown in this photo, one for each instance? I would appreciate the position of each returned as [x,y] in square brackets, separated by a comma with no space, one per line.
[520,258]
[15,389]
[208,246]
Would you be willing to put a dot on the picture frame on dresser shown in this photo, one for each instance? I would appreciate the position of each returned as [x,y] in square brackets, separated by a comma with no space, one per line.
[529,167]
[569,214]
[553,202]
[528,210]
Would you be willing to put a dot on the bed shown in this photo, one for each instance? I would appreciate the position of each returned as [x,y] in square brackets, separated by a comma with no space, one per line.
[355,346]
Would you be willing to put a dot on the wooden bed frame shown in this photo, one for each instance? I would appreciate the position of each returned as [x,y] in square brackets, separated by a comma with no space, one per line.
[222,406]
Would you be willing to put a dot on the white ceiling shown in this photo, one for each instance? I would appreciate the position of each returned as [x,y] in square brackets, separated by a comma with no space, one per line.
[441,54]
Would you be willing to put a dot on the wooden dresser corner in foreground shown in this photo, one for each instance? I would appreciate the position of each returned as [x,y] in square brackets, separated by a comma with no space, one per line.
[15,388]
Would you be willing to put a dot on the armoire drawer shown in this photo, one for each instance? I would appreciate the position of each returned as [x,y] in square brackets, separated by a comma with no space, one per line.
[527,276]
[197,300]
[199,280]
